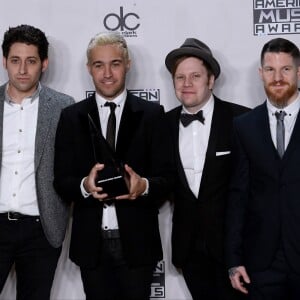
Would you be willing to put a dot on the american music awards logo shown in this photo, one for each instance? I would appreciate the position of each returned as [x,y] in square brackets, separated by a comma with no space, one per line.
[126,22]
[273,17]
[152,95]
[158,287]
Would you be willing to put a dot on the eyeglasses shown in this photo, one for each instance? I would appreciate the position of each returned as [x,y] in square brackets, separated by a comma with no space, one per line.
[193,77]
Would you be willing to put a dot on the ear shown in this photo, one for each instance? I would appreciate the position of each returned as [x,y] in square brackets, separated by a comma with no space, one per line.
[89,68]
[45,63]
[298,73]
[260,71]
[211,82]
[4,62]
[128,65]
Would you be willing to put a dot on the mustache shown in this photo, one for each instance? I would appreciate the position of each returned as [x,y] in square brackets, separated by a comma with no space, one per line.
[276,83]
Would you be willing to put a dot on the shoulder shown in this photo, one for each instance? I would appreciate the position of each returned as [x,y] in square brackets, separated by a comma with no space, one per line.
[252,117]
[137,103]
[2,92]
[232,108]
[173,113]
[82,107]
[58,97]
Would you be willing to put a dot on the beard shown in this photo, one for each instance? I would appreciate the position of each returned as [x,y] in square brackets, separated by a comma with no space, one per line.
[280,92]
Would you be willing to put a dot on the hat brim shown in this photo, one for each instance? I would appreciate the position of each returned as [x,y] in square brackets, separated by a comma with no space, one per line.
[191,51]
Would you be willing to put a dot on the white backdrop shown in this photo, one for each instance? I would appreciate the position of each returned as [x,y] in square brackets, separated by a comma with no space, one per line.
[226,26]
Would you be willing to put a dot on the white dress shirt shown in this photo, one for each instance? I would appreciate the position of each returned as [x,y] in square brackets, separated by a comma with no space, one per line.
[109,218]
[289,120]
[193,142]
[17,181]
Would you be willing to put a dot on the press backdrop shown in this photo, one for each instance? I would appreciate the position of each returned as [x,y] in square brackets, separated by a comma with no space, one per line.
[235,30]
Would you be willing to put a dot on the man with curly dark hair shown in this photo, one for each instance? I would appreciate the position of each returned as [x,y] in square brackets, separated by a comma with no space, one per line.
[33,218]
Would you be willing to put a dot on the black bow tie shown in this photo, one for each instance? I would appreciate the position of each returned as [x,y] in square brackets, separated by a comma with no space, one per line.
[186,119]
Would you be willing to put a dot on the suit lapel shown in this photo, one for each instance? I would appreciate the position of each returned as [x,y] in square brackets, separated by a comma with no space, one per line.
[43,125]
[175,134]
[2,97]
[175,120]
[294,142]
[129,124]
[218,120]
[263,131]
[92,110]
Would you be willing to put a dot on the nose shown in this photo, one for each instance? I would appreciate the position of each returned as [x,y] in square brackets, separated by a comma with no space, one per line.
[23,68]
[278,75]
[107,71]
[188,81]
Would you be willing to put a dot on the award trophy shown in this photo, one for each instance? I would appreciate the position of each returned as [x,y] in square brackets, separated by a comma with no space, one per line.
[113,178]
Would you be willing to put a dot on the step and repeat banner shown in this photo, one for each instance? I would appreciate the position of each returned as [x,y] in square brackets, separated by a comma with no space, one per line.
[235,30]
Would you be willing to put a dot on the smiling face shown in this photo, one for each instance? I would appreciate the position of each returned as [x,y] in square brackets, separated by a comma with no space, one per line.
[192,83]
[280,76]
[24,68]
[108,67]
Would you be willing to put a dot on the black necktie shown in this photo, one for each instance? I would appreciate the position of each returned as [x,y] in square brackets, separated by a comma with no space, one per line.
[186,119]
[111,125]
[280,131]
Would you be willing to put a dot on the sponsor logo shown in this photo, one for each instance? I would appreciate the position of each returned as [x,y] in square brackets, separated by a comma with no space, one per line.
[89,94]
[152,95]
[126,23]
[147,94]
[273,17]
[158,283]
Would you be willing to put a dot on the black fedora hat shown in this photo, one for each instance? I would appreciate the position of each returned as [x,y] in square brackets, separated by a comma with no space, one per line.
[196,48]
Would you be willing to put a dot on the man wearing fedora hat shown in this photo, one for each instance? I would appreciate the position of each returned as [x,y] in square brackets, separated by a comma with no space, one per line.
[203,162]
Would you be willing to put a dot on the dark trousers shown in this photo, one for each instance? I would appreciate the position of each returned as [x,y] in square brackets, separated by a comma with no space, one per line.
[207,278]
[279,282]
[23,243]
[114,279]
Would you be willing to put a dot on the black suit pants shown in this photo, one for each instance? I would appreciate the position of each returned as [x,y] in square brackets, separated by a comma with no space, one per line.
[206,277]
[114,279]
[279,282]
[24,244]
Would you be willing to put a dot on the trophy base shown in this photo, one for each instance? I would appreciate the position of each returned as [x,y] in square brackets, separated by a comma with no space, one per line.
[113,186]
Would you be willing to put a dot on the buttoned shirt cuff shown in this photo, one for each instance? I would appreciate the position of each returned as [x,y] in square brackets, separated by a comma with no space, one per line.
[146,192]
[84,193]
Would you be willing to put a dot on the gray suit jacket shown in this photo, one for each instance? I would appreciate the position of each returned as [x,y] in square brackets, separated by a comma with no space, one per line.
[53,211]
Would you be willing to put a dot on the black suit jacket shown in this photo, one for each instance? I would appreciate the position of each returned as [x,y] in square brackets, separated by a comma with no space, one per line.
[202,218]
[143,144]
[264,203]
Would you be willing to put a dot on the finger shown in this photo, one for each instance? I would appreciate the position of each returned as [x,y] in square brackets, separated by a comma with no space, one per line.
[239,285]
[129,170]
[123,197]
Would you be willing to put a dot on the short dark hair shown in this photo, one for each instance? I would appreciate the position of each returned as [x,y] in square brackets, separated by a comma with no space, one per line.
[281,45]
[28,35]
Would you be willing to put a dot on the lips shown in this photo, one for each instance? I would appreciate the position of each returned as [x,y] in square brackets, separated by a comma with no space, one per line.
[187,92]
[23,78]
[107,82]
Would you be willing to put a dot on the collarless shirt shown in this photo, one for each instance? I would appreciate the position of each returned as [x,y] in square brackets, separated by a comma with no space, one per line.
[17,181]
[289,120]
[109,218]
[193,142]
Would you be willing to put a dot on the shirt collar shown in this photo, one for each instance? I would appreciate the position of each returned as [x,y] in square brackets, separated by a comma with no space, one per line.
[119,100]
[291,110]
[207,108]
[33,97]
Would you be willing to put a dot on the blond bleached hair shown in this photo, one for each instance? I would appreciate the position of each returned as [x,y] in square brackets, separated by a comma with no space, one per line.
[108,38]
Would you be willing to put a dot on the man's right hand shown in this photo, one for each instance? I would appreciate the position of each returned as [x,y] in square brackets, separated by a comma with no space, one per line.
[238,277]
[89,183]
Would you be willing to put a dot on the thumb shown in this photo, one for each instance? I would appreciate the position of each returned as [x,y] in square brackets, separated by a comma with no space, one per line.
[245,276]
[129,170]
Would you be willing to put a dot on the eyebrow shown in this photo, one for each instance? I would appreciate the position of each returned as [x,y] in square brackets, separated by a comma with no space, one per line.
[16,56]
[112,61]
